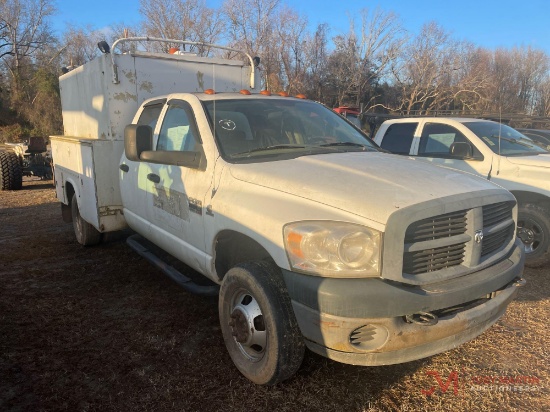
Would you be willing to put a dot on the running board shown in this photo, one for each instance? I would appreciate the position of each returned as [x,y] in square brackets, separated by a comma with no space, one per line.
[170,271]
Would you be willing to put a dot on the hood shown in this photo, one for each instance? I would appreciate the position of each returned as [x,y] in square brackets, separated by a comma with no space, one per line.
[372,185]
[541,160]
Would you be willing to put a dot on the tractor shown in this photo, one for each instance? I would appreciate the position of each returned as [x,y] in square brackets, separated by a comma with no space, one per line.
[24,159]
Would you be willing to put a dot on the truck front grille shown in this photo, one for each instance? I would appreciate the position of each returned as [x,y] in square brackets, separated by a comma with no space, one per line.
[496,240]
[447,225]
[496,213]
[465,237]
[430,260]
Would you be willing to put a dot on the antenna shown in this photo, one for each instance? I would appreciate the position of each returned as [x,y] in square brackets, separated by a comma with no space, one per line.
[499,133]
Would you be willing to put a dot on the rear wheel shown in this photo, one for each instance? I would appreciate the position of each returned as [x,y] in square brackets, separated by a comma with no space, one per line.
[534,232]
[85,233]
[11,174]
[258,324]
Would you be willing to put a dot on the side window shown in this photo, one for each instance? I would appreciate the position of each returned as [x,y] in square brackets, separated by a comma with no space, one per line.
[175,132]
[150,115]
[398,138]
[437,139]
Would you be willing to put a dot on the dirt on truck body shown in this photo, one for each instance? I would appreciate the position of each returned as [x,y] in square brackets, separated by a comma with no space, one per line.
[86,331]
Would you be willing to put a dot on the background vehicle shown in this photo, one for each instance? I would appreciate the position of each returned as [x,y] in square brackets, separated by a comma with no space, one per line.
[540,137]
[308,230]
[350,113]
[497,152]
[24,159]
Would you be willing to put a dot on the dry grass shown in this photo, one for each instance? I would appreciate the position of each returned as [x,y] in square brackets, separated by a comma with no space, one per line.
[99,329]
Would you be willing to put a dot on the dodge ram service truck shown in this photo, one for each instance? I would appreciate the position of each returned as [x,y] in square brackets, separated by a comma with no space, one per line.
[309,234]
[489,149]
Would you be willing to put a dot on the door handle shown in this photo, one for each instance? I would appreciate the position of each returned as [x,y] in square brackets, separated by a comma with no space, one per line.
[124,168]
[153,178]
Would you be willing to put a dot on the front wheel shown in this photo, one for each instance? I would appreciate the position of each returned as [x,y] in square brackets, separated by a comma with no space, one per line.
[258,324]
[85,233]
[534,232]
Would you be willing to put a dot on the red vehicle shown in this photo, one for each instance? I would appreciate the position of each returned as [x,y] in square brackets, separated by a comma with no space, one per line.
[350,113]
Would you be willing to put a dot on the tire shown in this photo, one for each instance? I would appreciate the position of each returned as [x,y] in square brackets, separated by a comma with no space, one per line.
[253,298]
[11,174]
[534,232]
[85,233]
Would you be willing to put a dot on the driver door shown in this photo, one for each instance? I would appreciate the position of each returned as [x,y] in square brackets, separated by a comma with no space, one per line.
[435,147]
[175,193]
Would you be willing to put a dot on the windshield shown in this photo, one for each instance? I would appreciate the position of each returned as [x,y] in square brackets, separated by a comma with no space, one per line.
[512,142]
[272,129]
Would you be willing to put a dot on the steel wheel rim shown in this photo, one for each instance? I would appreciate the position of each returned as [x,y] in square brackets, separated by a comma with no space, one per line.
[247,325]
[530,234]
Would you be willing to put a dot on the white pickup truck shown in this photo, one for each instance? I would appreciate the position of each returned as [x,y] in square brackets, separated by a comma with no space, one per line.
[315,237]
[492,150]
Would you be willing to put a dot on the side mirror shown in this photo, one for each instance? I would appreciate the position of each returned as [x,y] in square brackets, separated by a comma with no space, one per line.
[137,139]
[461,150]
[194,160]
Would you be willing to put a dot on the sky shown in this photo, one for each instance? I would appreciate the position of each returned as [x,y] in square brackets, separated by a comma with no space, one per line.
[486,23]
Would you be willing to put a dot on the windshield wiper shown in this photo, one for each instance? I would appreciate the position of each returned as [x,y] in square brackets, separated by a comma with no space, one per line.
[274,147]
[352,144]
[514,141]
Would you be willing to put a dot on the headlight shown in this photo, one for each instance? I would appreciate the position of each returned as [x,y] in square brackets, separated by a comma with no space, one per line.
[333,249]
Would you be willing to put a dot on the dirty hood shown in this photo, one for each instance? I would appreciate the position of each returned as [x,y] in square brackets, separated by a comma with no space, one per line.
[372,185]
[541,160]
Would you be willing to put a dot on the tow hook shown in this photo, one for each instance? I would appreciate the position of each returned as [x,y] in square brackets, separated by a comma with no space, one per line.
[422,318]
[519,282]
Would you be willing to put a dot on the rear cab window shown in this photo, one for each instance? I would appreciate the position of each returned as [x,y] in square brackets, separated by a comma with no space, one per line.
[399,137]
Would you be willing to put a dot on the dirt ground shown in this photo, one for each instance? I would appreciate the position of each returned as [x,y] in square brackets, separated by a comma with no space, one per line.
[99,328]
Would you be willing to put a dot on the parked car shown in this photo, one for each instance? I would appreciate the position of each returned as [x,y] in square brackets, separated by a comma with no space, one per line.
[539,137]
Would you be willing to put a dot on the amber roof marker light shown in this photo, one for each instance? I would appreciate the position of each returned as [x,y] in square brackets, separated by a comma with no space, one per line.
[209,91]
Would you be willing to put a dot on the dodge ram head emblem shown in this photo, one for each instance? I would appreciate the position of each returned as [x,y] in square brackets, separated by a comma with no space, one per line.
[478,237]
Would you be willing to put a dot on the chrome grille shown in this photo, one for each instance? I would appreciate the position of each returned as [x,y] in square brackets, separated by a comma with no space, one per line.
[429,260]
[496,213]
[447,225]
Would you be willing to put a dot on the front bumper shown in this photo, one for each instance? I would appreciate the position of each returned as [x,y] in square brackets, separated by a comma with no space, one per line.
[362,321]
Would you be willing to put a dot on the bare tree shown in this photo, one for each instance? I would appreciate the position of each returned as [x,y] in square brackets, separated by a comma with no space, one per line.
[472,79]
[251,29]
[364,55]
[182,20]
[24,29]
[425,72]
[289,40]
[316,61]
[80,45]
[542,97]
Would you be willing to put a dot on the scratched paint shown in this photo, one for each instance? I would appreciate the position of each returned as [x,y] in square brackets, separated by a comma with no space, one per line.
[200,80]
[147,86]
[172,202]
[130,75]
[125,97]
